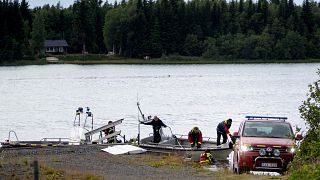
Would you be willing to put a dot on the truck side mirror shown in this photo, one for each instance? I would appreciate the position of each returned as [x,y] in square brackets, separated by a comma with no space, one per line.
[299,137]
[236,134]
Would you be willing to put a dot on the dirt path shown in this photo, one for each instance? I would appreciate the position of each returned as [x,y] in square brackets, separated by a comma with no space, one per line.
[91,162]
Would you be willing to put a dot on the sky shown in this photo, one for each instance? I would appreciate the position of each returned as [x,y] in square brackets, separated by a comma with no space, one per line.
[64,3]
[67,3]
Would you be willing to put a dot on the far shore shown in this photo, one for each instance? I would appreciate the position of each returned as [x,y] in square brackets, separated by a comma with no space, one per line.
[93,59]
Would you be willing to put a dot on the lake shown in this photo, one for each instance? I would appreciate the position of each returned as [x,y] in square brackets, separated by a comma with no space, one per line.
[40,101]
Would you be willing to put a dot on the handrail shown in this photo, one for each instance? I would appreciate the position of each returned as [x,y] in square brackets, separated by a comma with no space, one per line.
[14,134]
[170,130]
[205,138]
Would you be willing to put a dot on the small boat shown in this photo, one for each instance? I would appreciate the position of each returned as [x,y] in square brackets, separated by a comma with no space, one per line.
[76,137]
[44,142]
[178,143]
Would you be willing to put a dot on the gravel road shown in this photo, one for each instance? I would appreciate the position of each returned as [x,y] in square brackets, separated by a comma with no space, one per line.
[76,162]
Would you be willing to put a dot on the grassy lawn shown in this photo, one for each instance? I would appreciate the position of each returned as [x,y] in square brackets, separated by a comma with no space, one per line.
[173,59]
[101,59]
[25,62]
[177,162]
[76,167]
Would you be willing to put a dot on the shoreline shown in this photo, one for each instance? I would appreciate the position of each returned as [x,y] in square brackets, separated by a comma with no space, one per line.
[175,60]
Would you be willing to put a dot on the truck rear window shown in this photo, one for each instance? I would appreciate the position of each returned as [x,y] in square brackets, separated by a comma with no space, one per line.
[267,129]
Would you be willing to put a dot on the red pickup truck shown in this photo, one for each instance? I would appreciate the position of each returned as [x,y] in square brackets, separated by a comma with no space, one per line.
[264,143]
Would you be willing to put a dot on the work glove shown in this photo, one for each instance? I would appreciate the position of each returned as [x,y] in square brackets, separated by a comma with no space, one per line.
[198,146]
[192,144]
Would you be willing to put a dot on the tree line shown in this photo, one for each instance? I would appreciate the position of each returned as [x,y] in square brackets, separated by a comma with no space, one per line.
[275,29]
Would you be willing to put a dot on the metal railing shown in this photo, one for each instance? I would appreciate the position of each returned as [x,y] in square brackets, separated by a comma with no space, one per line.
[15,134]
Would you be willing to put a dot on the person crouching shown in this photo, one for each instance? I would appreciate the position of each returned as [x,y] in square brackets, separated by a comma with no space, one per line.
[206,158]
[195,137]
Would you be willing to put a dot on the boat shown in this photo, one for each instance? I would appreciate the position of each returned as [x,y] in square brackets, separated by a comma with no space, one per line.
[79,130]
[177,143]
[44,142]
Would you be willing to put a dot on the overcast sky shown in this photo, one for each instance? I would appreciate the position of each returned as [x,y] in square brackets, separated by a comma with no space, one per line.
[64,3]
[67,3]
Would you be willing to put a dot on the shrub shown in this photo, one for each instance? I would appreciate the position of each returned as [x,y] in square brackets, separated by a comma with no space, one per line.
[306,164]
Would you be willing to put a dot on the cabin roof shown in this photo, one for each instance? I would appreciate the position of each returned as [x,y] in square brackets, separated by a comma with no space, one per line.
[56,43]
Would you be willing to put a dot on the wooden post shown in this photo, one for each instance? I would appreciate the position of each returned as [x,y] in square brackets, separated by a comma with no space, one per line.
[35,170]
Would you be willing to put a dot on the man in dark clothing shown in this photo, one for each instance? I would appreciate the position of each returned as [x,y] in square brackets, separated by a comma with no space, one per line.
[156,124]
[223,129]
[195,137]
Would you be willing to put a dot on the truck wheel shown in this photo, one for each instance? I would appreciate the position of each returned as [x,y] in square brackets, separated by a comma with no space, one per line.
[239,170]
[234,170]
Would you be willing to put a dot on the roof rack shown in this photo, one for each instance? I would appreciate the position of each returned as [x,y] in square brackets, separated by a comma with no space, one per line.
[266,117]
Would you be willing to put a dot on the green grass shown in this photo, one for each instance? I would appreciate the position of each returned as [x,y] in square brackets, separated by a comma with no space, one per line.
[306,171]
[91,59]
[177,162]
[173,59]
[25,62]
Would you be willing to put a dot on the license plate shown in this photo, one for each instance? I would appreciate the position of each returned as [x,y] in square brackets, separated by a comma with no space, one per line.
[269,164]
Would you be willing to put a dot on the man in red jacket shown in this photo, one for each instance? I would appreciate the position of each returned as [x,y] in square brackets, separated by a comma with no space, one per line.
[195,137]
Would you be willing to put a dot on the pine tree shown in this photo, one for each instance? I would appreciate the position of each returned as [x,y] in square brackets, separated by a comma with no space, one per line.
[25,12]
[241,6]
[283,10]
[38,33]
[156,48]
[291,8]
[308,18]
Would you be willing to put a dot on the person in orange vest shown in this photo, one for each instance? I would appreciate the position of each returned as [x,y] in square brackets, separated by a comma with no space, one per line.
[206,157]
[223,129]
[195,137]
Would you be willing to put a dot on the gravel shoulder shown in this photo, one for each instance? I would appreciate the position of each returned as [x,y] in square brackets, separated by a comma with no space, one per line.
[89,162]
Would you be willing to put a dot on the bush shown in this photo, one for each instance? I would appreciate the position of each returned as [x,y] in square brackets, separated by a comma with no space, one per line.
[192,46]
[211,50]
[306,172]
[306,164]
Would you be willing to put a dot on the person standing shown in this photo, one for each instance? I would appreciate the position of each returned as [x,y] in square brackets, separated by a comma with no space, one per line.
[156,124]
[195,137]
[223,130]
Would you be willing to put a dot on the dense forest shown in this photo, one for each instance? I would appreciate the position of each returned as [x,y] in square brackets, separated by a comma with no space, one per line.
[276,29]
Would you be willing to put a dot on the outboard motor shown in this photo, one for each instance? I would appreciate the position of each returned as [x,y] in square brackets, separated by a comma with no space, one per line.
[88,112]
[79,110]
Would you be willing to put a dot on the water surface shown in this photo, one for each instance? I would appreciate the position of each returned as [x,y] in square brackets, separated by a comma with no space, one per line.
[40,101]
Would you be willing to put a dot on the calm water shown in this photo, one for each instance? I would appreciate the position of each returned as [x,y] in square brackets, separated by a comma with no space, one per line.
[40,101]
